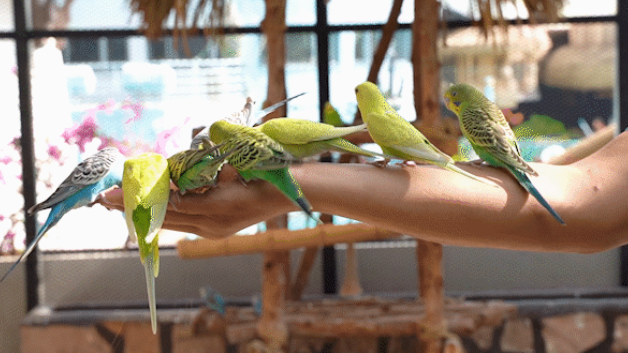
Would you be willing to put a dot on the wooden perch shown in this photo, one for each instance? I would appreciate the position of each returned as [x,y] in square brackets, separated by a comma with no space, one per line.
[282,239]
[587,146]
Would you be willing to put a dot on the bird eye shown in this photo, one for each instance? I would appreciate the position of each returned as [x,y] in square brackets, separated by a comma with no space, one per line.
[356,90]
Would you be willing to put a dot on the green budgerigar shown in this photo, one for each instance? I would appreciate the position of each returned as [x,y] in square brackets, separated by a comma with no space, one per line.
[196,169]
[257,156]
[396,136]
[304,138]
[490,135]
[146,189]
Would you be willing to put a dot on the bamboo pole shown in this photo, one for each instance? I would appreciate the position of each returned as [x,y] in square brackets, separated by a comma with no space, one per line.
[432,328]
[351,285]
[281,239]
[426,70]
[272,326]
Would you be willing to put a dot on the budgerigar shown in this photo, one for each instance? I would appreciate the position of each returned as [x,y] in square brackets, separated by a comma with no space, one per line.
[486,128]
[213,299]
[195,169]
[396,136]
[257,156]
[87,181]
[247,117]
[304,138]
[146,189]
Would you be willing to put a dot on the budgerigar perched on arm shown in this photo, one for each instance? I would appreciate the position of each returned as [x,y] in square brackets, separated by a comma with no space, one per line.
[87,181]
[257,156]
[194,169]
[486,128]
[304,138]
[146,189]
[396,136]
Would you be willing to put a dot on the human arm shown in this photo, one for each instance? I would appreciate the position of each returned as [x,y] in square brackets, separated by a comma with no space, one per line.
[436,205]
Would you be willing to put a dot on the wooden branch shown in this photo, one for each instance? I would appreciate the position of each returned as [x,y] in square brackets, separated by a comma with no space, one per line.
[388,30]
[281,239]
[375,317]
[305,268]
[587,146]
[351,285]
[272,326]
[425,61]
[274,27]
[431,330]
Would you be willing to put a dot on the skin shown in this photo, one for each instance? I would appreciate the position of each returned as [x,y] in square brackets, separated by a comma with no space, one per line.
[435,205]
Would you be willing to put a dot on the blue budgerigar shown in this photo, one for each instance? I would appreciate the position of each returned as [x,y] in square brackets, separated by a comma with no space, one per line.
[82,187]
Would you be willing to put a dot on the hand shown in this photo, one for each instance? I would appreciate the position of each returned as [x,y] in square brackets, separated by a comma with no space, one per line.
[219,212]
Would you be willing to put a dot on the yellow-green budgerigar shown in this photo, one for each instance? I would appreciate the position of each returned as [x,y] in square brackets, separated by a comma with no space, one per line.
[257,156]
[486,128]
[304,138]
[146,189]
[396,136]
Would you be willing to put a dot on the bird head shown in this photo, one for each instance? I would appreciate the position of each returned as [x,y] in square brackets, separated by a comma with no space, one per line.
[457,95]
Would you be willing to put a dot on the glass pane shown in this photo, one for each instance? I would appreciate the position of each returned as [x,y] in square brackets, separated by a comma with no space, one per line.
[456,10]
[351,54]
[340,12]
[117,14]
[83,14]
[6,15]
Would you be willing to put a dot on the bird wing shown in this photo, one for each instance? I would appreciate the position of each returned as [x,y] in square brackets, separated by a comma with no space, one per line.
[493,134]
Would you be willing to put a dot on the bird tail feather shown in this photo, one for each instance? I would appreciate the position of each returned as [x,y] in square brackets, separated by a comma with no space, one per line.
[526,183]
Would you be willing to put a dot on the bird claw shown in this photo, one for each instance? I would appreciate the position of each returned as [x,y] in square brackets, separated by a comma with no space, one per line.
[411,164]
[242,181]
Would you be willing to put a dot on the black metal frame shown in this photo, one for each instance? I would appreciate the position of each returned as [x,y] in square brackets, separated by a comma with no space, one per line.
[22,34]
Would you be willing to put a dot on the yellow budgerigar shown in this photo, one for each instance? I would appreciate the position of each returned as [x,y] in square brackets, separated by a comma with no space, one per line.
[146,189]
[396,136]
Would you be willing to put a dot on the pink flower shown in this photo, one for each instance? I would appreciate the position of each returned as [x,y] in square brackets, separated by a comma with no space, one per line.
[162,139]
[6,160]
[107,106]
[135,106]
[2,218]
[82,133]
[54,152]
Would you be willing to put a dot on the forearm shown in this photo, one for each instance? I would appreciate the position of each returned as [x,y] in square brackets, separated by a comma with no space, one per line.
[440,206]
